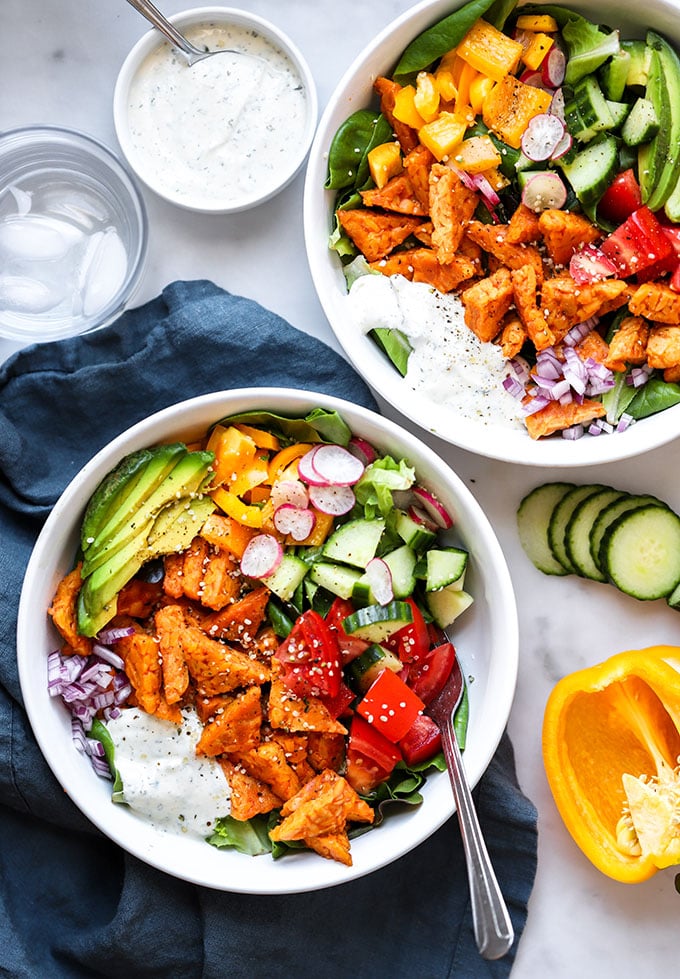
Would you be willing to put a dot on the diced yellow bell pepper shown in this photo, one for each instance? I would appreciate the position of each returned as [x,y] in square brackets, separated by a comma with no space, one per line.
[536,49]
[480,87]
[537,22]
[477,154]
[254,475]
[443,134]
[229,503]
[322,528]
[497,180]
[233,450]
[443,79]
[426,99]
[447,61]
[404,108]
[490,51]
[261,438]
[510,106]
[227,533]
[285,457]
[468,75]
[384,162]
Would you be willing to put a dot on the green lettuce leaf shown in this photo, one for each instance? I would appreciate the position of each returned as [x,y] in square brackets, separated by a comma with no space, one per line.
[380,479]
[250,837]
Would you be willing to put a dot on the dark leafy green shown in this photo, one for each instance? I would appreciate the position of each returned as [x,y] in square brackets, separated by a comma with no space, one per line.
[99,732]
[250,837]
[433,43]
[654,396]
[318,426]
[395,344]
[347,157]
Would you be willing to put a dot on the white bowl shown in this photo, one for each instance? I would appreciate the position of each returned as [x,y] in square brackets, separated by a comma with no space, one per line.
[353,92]
[486,640]
[155,157]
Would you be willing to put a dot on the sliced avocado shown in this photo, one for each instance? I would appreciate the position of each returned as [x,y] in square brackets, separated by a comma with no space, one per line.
[139,527]
[640,57]
[659,160]
[97,598]
[133,480]
[176,526]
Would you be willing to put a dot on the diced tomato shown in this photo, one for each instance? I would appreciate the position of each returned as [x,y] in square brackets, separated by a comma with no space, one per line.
[421,741]
[589,264]
[370,756]
[338,706]
[656,271]
[413,641]
[350,646]
[674,282]
[638,243]
[311,658]
[621,198]
[390,706]
[427,678]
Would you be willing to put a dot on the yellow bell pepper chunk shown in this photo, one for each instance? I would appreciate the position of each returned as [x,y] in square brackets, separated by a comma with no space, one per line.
[537,22]
[285,457]
[234,452]
[466,78]
[262,439]
[611,742]
[426,98]
[443,79]
[490,51]
[497,180]
[254,475]
[536,49]
[233,506]
[477,154]
[510,106]
[443,134]
[480,88]
[226,533]
[322,528]
[384,162]
[405,109]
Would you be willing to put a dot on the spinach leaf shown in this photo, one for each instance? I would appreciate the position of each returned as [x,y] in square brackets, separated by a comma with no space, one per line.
[100,732]
[347,157]
[438,39]
[318,426]
[251,836]
[656,395]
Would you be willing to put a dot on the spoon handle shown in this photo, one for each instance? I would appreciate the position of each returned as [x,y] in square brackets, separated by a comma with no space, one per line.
[493,929]
[155,17]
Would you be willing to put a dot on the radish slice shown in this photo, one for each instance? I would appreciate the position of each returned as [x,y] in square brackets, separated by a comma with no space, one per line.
[542,135]
[533,78]
[553,67]
[262,556]
[296,521]
[306,470]
[336,466]
[431,505]
[362,449]
[289,491]
[380,580]
[544,190]
[420,517]
[557,105]
[333,500]
[563,146]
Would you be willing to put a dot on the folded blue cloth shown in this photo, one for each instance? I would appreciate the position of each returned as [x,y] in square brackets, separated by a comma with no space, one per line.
[72,903]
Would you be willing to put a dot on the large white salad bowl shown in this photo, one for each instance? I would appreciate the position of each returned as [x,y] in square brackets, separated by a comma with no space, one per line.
[486,639]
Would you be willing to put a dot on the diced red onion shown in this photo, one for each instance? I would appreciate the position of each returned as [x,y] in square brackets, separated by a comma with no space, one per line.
[262,556]
[513,387]
[113,634]
[435,510]
[573,433]
[336,466]
[464,177]
[333,500]
[625,421]
[639,376]
[294,520]
[108,654]
[580,331]
[520,368]
[101,766]
[380,580]
[535,404]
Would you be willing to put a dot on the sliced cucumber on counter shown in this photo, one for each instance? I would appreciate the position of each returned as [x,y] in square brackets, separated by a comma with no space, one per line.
[608,535]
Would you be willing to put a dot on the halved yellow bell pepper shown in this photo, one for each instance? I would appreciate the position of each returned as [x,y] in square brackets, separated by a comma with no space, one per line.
[611,749]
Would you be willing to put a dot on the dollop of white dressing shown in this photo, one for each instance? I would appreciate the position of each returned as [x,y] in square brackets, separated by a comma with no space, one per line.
[163,779]
[224,129]
[448,364]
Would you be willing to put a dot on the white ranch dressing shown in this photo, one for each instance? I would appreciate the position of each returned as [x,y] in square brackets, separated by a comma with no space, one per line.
[224,129]
[449,364]
[163,779]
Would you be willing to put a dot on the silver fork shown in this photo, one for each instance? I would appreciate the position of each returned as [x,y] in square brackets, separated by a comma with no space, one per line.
[493,929]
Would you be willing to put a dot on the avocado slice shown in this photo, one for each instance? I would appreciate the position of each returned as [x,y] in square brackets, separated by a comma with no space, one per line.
[97,597]
[659,159]
[176,526]
[123,490]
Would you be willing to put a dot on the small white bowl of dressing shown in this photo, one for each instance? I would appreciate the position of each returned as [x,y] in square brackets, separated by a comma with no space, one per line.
[229,132]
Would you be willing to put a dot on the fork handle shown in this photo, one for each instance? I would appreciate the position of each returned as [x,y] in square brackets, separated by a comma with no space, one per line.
[493,929]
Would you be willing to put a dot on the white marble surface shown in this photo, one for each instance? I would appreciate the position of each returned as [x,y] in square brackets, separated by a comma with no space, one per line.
[59,66]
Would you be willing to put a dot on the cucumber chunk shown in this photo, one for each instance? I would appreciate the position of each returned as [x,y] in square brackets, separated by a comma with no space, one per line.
[335,578]
[365,669]
[447,604]
[641,125]
[641,552]
[445,566]
[577,534]
[377,622]
[561,515]
[533,520]
[355,542]
[287,577]
[417,536]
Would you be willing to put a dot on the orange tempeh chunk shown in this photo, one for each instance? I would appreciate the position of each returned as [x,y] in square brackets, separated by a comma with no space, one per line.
[387,90]
[293,714]
[63,614]
[235,728]
[397,195]
[249,795]
[451,207]
[556,416]
[564,232]
[376,234]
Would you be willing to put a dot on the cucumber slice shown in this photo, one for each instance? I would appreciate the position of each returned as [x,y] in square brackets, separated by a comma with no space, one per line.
[377,622]
[641,552]
[533,520]
[447,604]
[561,515]
[355,543]
[444,567]
[673,599]
[641,125]
[577,534]
[417,536]
[590,172]
[629,501]
[402,563]
[335,578]
[365,669]
[287,577]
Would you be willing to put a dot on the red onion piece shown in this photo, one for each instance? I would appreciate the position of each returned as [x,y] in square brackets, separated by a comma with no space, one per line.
[108,654]
[336,466]
[108,636]
[289,491]
[294,520]
[262,556]
[380,580]
[436,511]
[333,500]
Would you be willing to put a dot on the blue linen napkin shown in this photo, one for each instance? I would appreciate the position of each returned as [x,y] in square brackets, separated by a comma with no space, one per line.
[74,904]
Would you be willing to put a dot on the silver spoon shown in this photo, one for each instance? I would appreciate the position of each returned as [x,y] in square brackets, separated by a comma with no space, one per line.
[494,933]
[193,54]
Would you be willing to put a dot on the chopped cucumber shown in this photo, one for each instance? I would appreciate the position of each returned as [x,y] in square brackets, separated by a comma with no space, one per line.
[377,622]
[416,535]
[285,580]
[533,520]
[641,125]
[445,566]
[365,669]
[447,604]
[355,542]
[401,563]
[641,552]
[591,171]
[335,578]
[588,112]
[614,74]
